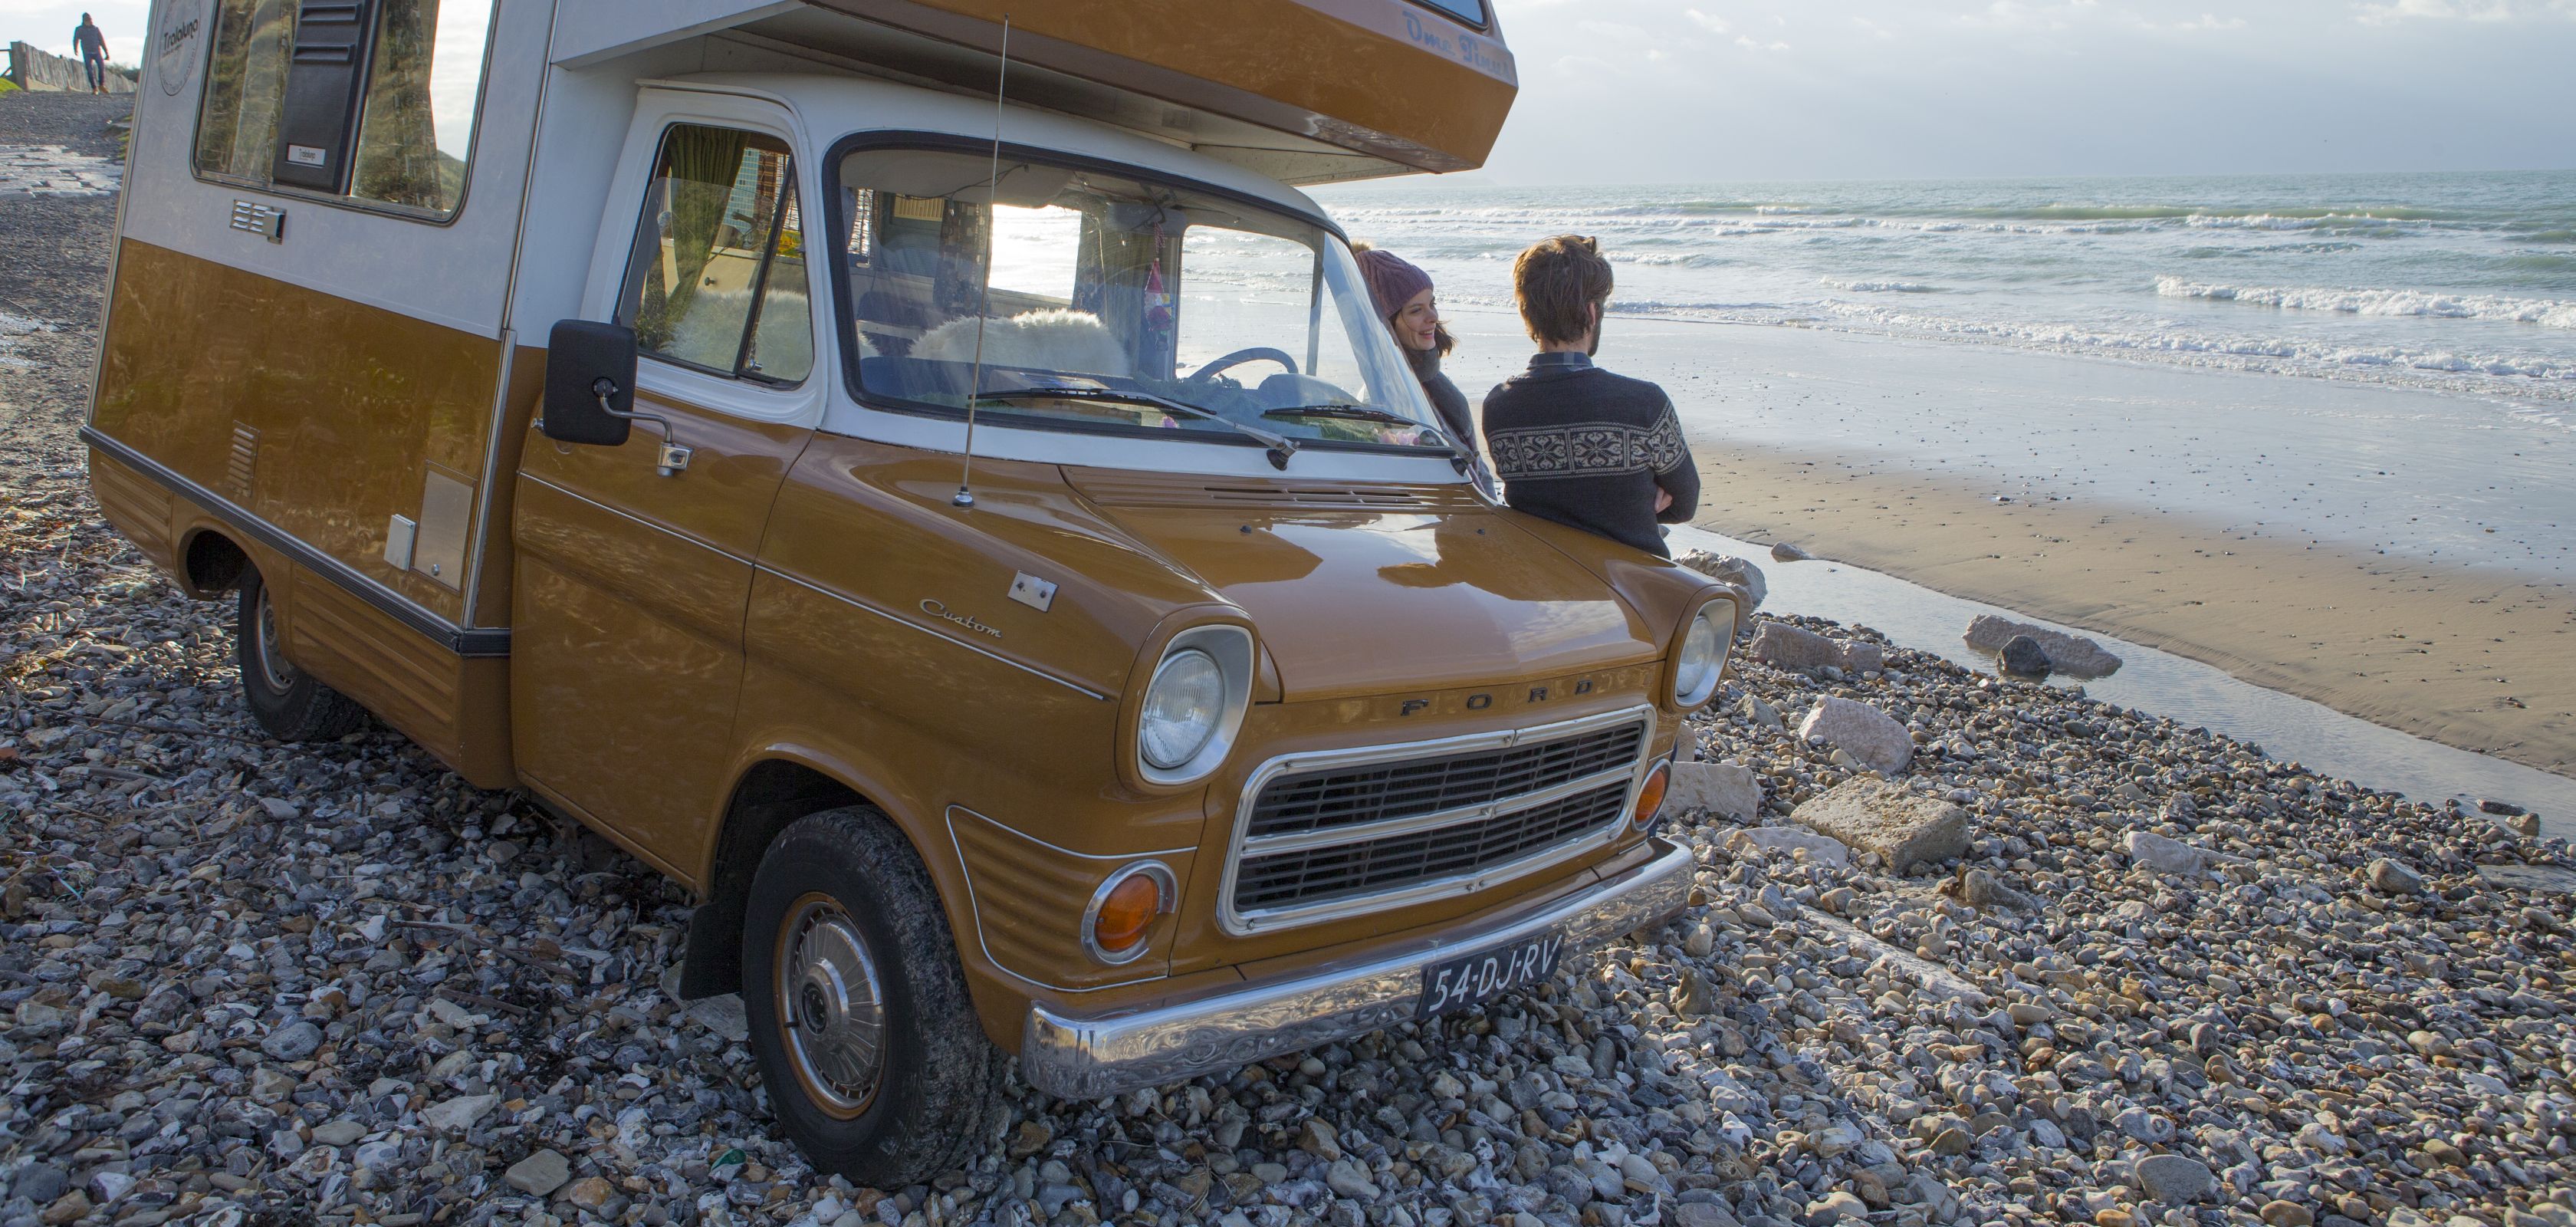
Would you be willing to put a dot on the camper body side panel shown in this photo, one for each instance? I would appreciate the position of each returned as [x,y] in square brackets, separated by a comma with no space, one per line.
[294,396]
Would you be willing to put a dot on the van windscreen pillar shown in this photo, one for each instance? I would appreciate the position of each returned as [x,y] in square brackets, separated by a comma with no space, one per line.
[322,90]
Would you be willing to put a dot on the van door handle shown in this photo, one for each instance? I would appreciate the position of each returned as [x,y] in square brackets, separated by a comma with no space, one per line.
[671,458]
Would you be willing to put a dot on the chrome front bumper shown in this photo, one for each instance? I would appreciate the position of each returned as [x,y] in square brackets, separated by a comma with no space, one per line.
[1073,1056]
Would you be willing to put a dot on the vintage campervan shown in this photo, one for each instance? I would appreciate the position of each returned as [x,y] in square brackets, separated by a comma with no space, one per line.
[1038,615]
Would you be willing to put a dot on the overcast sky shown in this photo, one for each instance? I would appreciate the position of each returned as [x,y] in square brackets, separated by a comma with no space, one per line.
[1643,91]
[1678,90]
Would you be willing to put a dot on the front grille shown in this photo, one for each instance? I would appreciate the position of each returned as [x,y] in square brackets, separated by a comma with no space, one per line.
[1409,823]
[1409,787]
[1340,871]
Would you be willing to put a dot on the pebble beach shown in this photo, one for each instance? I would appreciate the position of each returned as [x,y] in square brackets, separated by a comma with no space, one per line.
[1963,949]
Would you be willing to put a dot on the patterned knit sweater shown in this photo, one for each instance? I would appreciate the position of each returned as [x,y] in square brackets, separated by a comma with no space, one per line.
[1588,449]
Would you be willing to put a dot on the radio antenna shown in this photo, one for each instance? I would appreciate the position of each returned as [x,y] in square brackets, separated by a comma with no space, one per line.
[984,303]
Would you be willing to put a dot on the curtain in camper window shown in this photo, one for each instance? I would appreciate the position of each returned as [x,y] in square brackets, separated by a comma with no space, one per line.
[245,88]
[422,90]
[717,280]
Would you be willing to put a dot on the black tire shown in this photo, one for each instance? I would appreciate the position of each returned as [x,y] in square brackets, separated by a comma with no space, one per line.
[843,879]
[288,702]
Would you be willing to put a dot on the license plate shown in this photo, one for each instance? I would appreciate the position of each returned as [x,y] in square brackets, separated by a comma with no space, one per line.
[1474,979]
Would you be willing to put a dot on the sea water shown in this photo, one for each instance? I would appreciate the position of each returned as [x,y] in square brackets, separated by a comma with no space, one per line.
[2463,282]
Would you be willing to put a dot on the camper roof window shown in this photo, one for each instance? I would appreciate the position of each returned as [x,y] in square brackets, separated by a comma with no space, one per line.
[286,109]
[1128,293]
[1470,11]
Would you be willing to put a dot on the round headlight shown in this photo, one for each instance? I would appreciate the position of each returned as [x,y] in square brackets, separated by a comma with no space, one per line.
[1703,653]
[1183,707]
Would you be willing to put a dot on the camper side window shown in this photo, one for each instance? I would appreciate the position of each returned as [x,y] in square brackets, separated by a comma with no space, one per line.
[286,108]
[717,280]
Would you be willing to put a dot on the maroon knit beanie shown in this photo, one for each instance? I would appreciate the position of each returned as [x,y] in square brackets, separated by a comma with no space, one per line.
[1391,281]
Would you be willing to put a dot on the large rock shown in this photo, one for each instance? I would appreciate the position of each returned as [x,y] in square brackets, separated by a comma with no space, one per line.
[457,1115]
[1788,552]
[2023,655]
[2175,1180]
[2069,654]
[1727,789]
[1728,569]
[1873,737]
[1783,646]
[540,1173]
[2153,851]
[1876,816]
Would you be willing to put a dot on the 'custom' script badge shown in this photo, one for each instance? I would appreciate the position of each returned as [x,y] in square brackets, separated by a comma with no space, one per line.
[944,614]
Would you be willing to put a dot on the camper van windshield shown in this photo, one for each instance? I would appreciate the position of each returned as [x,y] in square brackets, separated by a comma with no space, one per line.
[1116,303]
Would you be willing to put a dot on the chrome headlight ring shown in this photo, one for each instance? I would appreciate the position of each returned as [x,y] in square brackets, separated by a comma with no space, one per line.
[1193,706]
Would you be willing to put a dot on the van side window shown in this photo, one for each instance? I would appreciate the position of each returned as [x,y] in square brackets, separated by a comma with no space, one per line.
[284,107]
[717,280]
[422,90]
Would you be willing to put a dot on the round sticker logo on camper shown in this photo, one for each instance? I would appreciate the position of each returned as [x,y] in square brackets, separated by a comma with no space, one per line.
[175,44]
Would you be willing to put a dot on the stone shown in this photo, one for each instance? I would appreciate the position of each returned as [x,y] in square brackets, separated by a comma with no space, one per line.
[723,1015]
[40,1183]
[2538,879]
[70,1208]
[2152,851]
[457,1115]
[2278,1213]
[1982,888]
[1790,840]
[1783,551]
[1872,737]
[2073,655]
[1350,1179]
[1728,569]
[2022,655]
[1783,646]
[1836,1207]
[1876,816]
[539,1174]
[1726,789]
[1691,997]
[1861,656]
[292,1042]
[1702,1214]
[2502,809]
[590,1192]
[1320,1139]
[2390,878]
[2175,1180]
[1759,712]
[269,1085]
[340,1132]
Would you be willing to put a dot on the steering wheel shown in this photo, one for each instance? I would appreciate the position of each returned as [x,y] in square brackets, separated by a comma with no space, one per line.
[1255,354]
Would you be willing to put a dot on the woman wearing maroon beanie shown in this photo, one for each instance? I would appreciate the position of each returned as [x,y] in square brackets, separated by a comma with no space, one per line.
[1402,294]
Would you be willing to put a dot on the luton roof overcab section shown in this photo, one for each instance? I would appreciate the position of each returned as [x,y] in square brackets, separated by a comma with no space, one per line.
[1301,91]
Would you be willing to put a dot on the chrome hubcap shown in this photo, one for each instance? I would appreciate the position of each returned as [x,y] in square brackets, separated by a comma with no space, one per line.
[273,666]
[831,1006]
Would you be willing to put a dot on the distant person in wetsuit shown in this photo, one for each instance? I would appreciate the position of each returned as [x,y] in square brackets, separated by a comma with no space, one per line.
[92,45]
[1574,443]
[1401,294]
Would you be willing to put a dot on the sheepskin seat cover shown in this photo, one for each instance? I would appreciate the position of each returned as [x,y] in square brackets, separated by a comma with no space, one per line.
[1075,342]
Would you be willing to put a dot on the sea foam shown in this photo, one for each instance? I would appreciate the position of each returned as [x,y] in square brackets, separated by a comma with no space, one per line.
[2546,312]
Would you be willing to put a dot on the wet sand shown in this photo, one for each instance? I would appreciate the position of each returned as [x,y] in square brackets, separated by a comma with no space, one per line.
[2479,659]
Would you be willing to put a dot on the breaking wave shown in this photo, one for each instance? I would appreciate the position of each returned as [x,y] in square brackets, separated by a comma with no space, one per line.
[2548,313]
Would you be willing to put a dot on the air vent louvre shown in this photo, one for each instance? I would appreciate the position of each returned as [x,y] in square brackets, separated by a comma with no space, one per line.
[243,465]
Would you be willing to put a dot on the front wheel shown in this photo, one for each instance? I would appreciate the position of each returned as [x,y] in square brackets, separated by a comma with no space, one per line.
[288,702]
[860,1019]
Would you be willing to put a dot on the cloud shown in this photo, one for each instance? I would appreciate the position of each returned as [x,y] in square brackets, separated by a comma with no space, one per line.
[2464,10]
[1871,28]
[1714,25]
[2209,21]
[1752,45]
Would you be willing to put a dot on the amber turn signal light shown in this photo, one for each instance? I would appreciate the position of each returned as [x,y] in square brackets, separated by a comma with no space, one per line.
[1124,909]
[1650,798]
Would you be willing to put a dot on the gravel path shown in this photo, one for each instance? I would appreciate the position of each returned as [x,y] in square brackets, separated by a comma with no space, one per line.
[2164,980]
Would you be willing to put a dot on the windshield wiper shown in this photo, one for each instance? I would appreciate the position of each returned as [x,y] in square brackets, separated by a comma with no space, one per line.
[1281,446]
[1356,413]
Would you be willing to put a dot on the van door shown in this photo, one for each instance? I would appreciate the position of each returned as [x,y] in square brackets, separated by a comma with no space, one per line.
[631,585]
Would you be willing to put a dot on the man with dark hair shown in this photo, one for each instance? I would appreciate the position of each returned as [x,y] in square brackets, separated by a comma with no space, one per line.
[1574,443]
[91,42]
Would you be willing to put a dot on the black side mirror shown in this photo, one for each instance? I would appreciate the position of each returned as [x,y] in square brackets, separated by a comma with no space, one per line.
[590,383]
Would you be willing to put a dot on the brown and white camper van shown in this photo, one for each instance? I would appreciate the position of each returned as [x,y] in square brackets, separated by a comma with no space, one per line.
[1039,615]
